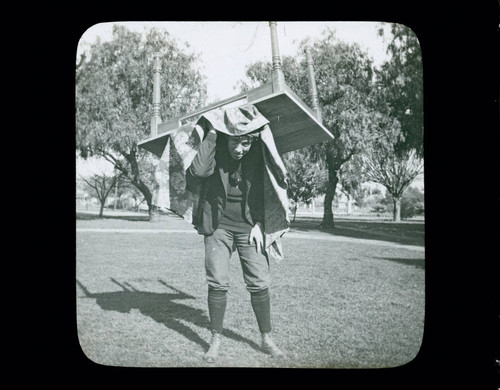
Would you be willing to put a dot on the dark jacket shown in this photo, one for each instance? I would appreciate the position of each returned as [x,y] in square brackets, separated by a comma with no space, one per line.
[213,165]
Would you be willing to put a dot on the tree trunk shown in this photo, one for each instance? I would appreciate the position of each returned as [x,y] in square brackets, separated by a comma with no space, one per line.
[154,215]
[333,179]
[135,179]
[396,213]
[328,213]
[101,210]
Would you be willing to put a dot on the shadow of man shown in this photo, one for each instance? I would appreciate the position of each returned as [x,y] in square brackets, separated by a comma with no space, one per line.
[162,308]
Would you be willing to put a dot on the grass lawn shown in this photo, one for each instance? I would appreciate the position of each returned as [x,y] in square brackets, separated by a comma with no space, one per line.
[351,298]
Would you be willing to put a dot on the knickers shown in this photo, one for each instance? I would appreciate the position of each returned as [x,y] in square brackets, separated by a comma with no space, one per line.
[218,250]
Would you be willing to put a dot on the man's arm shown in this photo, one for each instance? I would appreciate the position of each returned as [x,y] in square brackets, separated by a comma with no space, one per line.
[203,164]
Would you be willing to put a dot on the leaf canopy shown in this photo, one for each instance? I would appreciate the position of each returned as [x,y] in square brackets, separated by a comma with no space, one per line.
[114,89]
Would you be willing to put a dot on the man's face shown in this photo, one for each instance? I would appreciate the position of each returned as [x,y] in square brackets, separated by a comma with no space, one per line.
[238,146]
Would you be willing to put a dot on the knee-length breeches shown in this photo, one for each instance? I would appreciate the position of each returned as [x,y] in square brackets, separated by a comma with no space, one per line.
[219,248]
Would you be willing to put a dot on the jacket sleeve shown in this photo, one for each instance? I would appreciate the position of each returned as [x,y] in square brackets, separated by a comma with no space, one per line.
[203,164]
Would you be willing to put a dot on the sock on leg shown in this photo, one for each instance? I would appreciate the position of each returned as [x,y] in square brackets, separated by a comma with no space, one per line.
[217,300]
[261,304]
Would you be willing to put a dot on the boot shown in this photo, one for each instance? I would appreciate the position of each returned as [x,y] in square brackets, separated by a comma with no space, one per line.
[212,353]
[270,347]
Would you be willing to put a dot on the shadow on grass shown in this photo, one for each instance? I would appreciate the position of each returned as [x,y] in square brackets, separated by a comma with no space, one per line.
[401,233]
[419,263]
[162,308]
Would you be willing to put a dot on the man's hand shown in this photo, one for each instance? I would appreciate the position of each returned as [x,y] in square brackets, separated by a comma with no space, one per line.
[257,235]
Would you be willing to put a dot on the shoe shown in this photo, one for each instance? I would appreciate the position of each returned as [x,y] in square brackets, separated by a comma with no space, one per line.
[270,347]
[212,353]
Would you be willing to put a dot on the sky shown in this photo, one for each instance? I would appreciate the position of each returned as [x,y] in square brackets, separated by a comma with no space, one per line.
[225,49]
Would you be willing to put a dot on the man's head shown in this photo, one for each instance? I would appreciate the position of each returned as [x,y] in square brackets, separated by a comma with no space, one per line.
[238,146]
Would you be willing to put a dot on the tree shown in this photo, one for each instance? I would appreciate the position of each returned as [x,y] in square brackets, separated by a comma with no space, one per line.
[102,185]
[113,99]
[400,85]
[394,171]
[305,178]
[128,189]
[350,180]
[412,203]
[395,157]
[344,83]
[344,75]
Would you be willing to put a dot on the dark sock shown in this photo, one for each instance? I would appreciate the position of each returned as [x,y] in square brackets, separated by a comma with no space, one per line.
[216,308]
[261,304]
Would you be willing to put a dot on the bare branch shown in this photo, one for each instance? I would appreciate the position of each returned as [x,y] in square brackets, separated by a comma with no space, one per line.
[395,173]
